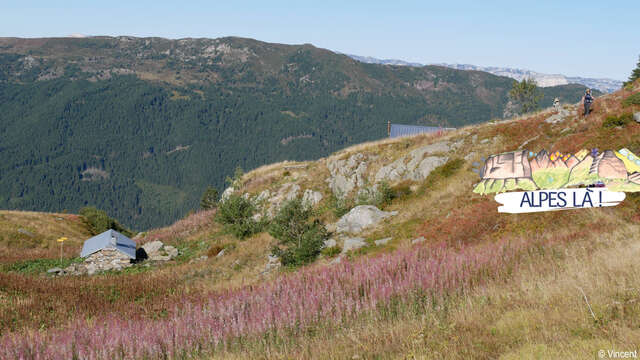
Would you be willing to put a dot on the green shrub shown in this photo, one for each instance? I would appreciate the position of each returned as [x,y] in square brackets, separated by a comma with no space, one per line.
[98,222]
[331,251]
[300,238]
[236,214]
[340,205]
[632,100]
[613,121]
[382,195]
[401,191]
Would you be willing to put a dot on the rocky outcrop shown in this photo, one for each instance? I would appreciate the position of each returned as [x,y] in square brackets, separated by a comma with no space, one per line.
[329,243]
[157,251]
[269,203]
[416,165]
[352,244]
[559,117]
[311,198]
[360,218]
[347,174]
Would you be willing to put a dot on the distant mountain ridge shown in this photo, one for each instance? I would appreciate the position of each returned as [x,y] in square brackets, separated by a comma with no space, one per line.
[543,80]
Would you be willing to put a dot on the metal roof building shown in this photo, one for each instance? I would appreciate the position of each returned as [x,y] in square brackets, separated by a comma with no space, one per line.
[109,239]
[397,130]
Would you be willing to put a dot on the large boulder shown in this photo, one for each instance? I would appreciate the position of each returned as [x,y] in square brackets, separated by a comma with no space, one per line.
[351,244]
[152,247]
[329,243]
[360,218]
[346,174]
[427,165]
[636,117]
[384,241]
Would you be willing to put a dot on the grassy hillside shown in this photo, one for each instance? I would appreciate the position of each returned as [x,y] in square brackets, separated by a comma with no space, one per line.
[482,284]
[31,235]
[140,126]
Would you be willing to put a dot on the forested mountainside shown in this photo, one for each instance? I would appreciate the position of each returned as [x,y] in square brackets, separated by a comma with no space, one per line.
[140,126]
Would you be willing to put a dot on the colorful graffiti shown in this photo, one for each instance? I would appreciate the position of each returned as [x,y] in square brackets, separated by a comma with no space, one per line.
[529,171]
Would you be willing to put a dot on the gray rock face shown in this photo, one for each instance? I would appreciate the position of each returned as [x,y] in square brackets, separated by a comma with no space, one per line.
[347,174]
[329,243]
[351,244]
[270,203]
[384,241]
[636,117]
[157,251]
[393,172]
[559,117]
[415,166]
[311,198]
[360,218]
[426,166]
[152,247]
[171,251]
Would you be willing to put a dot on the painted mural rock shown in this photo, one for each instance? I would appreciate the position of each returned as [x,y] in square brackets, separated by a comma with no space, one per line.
[528,171]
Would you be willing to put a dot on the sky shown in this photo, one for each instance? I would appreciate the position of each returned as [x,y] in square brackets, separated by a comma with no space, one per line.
[575,38]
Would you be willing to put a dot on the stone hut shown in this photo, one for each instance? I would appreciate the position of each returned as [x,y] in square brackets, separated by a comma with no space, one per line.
[108,251]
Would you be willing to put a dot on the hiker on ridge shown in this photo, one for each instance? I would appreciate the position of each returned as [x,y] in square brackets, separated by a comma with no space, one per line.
[587,99]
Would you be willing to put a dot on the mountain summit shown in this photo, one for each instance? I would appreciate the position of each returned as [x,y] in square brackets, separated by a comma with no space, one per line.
[543,80]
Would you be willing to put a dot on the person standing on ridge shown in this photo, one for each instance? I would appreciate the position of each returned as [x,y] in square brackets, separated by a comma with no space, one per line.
[587,99]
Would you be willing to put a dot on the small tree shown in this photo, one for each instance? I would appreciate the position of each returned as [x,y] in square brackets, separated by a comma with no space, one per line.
[526,94]
[209,198]
[300,239]
[236,214]
[236,180]
[635,74]
[98,221]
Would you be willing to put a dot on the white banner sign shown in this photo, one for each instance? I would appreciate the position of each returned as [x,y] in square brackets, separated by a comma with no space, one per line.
[557,199]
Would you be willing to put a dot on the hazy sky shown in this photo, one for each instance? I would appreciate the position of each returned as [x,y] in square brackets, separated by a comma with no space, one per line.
[575,38]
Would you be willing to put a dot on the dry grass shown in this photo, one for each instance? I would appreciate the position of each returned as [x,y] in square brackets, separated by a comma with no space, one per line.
[34,235]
